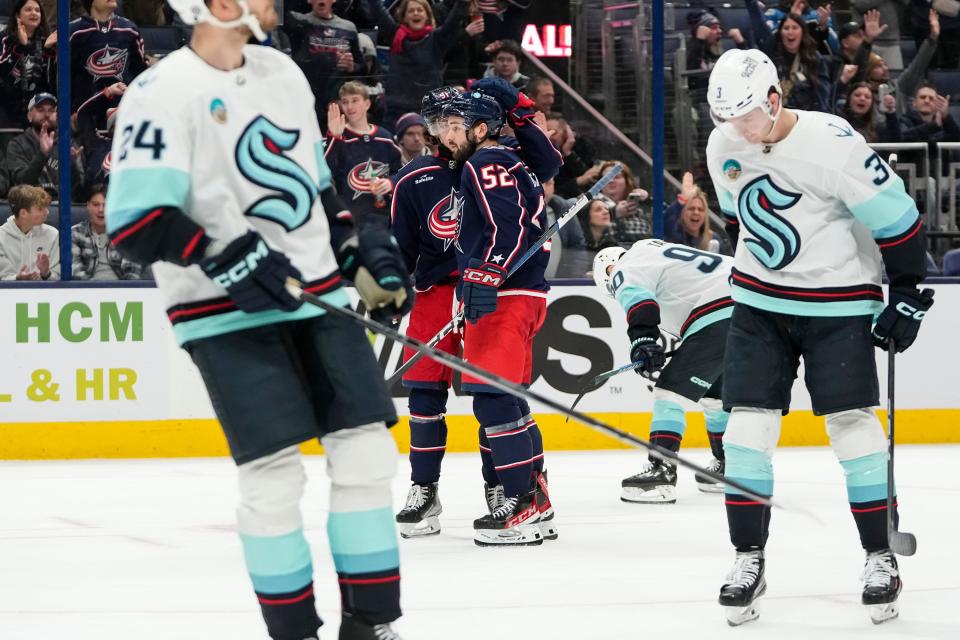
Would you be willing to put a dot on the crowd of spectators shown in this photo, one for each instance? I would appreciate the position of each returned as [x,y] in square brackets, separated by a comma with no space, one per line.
[369,63]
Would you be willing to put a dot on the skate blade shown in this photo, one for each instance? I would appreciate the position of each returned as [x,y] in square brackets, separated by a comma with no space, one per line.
[737,616]
[427,527]
[548,530]
[663,494]
[519,536]
[880,613]
[710,487]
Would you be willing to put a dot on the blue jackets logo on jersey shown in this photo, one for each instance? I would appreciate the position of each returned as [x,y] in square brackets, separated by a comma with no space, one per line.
[444,219]
[261,160]
[363,174]
[775,242]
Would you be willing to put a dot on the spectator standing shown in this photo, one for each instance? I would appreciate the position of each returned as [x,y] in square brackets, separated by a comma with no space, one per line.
[704,47]
[417,50]
[503,19]
[411,137]
[29,249]
[817,20]
[887,43]
[930,119]
[686,221]
[32,155]
[373,78]
[624,197]
[874,123]
[947,55]
[854,51]
[543,94]
[326,48]
[94,257]
[506,56]
[804,74]
[576,173]
[104,49]
[597,225]
[28,52]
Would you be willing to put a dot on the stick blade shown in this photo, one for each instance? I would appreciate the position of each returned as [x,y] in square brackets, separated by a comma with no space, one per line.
[902,543]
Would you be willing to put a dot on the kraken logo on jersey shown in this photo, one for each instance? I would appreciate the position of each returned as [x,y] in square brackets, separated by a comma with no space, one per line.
[444,219]
[775,242]
[261,160]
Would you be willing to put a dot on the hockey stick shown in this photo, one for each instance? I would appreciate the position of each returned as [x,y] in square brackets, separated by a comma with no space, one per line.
[519,391]
[901,542]
[598,380]
[549,233]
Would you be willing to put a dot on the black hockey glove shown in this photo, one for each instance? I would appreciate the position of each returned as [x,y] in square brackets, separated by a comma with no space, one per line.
[373,261]
[481,283]
[253,274]
[900,320]
[647,351]
[515,104]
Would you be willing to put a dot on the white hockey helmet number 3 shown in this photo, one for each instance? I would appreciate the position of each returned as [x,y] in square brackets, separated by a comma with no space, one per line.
[740,82]
[604,259]
[196,11]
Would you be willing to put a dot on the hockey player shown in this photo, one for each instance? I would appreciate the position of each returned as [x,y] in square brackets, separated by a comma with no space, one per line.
[358,154]
[424,215]
[684,291]
[816,208]
[501,215]
[219,178]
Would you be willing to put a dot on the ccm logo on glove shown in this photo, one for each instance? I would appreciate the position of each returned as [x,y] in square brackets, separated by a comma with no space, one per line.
[483,277]
[243,267]
[910,312]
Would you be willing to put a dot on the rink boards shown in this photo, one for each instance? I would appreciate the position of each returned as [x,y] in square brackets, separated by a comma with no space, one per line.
[95,372]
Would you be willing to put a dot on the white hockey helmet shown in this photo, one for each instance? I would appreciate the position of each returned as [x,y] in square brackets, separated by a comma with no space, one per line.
[194,12]
[739,83]
[604,259]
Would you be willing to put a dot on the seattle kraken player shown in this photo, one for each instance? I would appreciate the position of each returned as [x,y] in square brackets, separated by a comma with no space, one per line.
[219,179]
[501,216]
[815,209]
[425,211]
[684,291]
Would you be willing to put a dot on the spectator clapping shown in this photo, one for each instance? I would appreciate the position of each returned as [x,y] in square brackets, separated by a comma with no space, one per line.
[27,56]
[32,157]
[29,249]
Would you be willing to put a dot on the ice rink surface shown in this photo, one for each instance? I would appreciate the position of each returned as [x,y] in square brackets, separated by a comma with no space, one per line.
[145,550]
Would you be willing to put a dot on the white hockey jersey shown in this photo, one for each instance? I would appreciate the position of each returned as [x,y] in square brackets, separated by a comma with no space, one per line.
[233,150]
[690,286]
[811,212]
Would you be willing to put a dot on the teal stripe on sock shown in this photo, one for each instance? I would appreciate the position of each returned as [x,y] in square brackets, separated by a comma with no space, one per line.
[716,421]
[668,416]
[750,468]
[866,477]
[364,539]
[278,564]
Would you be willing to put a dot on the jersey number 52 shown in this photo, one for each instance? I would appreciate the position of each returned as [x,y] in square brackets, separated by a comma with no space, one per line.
[495,175]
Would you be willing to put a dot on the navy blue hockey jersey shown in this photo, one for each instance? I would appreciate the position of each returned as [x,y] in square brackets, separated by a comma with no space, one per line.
[501,215]
[102,53]
[355,159]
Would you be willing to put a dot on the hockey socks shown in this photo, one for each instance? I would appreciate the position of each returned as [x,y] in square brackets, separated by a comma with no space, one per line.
[486,460]
[749,520]
[511,446]
[716,425]
[428,434]
[535,436]
[867,491]
[668,424]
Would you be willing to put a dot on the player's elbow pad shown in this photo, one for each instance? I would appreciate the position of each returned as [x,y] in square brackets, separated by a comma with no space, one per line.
[164,233]
[339,218]
[905,256]
[733,232]
[643,319]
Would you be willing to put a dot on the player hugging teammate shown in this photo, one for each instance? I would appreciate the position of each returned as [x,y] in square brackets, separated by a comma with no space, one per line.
[428,204]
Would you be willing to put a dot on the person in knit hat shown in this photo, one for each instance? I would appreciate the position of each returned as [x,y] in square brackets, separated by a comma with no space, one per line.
[411,136]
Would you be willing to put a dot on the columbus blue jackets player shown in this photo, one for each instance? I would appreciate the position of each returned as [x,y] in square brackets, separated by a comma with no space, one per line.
[501,215]
[816,208]
[425,211]
[219,179]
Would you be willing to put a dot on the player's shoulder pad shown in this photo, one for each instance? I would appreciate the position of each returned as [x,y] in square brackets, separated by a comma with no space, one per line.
[269,62]
[828,131]
[420,163]
[494,155]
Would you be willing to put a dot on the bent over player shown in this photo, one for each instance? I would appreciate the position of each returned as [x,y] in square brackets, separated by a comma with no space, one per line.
[424,214]
[219,179]
[502,215]
[684,291]
[814,208]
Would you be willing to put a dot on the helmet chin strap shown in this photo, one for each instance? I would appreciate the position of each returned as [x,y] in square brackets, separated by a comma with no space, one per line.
[246,19]
[773,125]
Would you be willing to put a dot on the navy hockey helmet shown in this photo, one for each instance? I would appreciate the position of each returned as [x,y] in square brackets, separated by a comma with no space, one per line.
[476,107]
[431,107]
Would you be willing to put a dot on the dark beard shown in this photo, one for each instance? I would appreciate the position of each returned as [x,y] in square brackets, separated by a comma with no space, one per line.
[463,153]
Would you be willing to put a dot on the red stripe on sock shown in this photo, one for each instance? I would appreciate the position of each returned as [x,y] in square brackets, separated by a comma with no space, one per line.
[751,503]
[668,437]
[362,581]
[300,598]
[871,509]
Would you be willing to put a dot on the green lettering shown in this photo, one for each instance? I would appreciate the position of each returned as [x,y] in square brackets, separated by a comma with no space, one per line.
[40,322]
[131,321]
[66,322]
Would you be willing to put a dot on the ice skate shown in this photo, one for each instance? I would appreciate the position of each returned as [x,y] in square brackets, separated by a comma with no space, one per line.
[745,583]
[548,527]
[709,485]
[656,484]
[352,628]
[881,586]
[420,515]
[515,522]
